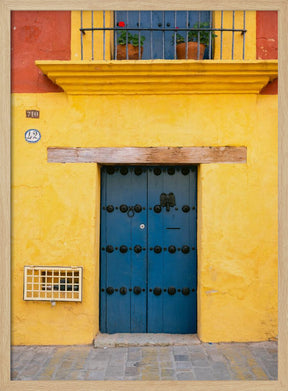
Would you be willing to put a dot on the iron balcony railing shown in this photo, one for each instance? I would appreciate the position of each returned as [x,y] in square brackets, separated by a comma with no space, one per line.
[161,30]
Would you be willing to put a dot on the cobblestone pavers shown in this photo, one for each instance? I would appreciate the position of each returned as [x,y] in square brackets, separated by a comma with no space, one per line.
[223,361]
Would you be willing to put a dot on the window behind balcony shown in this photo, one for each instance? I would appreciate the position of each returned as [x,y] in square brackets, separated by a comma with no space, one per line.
[159,41]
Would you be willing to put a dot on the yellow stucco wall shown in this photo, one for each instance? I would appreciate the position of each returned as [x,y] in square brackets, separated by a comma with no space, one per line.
[56,206]
[91,47]
[226,19]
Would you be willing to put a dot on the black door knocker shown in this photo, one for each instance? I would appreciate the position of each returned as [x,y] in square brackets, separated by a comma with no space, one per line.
[167,200]
[130,212]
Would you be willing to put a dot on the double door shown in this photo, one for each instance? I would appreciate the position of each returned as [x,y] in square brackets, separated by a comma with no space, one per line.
[148,249]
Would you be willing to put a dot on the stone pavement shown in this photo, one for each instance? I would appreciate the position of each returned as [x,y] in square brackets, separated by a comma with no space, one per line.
[202,361]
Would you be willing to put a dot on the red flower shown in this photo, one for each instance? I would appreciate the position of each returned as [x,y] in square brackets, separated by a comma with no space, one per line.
[121,24]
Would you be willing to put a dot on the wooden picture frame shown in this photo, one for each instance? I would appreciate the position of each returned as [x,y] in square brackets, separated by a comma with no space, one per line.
[6,7]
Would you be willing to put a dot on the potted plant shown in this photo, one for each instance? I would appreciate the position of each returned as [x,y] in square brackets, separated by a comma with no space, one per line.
[132,41]
[193,36]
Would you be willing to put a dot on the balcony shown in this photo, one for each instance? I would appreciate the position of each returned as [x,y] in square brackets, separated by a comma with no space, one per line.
[228,66]
[158,34]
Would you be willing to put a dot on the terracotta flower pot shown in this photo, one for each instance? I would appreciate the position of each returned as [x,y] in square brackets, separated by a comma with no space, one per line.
[133,52]
[192,51]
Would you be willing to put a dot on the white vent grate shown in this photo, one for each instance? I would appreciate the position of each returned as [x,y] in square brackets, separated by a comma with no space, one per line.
[53,283]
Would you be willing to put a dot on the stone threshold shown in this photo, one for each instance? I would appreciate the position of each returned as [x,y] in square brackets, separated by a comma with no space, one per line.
[144,339]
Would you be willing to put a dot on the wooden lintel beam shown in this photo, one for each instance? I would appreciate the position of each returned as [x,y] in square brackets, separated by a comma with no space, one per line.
[149,155]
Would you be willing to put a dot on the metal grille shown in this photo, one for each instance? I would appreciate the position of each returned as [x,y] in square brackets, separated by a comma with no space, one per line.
[165,33]
[53,283]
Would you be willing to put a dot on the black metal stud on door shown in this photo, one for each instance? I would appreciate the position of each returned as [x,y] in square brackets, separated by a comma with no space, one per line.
[110,170]
[123,290]
[157,208]
[124,170]
[110,208]
[185,249]
[109,249]
[185,291]
[171,290]
[110,290]
[172,249]
[157,171]
[123,249]
[137,290]
[171,170]
[123,208]
[185,208]
[157,249]
[138,171]
[137,249]
[137,208]
[185,170]
[157,291]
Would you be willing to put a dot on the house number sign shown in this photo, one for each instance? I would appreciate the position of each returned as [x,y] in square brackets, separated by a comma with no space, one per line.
[32,135]
[32,113]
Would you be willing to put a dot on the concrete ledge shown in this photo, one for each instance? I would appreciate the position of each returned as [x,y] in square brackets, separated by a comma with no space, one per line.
[160,77]
[138,339]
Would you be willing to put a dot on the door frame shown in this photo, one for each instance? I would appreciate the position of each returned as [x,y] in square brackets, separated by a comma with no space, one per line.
[99,166]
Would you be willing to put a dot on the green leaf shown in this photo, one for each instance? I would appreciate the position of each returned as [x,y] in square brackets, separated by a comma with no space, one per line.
[126,37]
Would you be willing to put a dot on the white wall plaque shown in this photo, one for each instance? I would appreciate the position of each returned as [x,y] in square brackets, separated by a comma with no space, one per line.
[32,135]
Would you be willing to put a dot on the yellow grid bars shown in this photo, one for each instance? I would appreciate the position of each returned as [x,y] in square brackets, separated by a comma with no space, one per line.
[53,283]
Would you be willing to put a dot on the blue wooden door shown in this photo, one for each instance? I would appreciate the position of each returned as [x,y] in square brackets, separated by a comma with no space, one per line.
[159,44]
[148,249]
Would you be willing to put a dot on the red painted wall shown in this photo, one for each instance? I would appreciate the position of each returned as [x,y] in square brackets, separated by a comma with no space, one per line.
[267,43]
[271,88]
[37,35]
[267,35]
